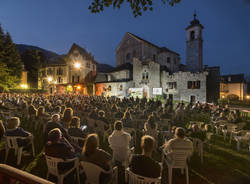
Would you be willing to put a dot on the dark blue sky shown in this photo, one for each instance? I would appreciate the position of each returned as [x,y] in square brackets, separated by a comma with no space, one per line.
[56,24]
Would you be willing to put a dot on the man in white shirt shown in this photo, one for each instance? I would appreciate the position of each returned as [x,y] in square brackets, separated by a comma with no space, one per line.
[119,142]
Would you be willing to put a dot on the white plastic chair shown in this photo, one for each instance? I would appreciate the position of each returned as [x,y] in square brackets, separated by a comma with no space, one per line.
[93,172]
[52,164]
[11,143]
[119,154]
[176,159]
[132,178]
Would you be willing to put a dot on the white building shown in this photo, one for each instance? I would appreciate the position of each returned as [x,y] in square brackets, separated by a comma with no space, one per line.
[144,68]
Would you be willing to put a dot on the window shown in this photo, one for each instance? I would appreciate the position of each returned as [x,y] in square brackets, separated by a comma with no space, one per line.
[192,35]
[194,84]
[121,87]
[143,76]
[73,78]
[128,56]
[172,85]
[154,57]
[88,65]
[78,78]
[146,75]
[49,71]
[59,71]
[60,80]
[168,60]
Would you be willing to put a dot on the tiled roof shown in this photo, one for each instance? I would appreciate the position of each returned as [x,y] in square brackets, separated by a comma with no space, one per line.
[83,52]
[236,78]
[161,49]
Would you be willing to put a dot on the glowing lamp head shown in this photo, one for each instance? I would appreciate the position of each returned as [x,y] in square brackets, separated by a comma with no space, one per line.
[248,97]
[223,96]
[77,65]
[24,86]
[78,87]
[50,79]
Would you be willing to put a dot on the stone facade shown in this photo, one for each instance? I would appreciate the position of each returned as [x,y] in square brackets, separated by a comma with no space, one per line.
[177,86]
[133,46]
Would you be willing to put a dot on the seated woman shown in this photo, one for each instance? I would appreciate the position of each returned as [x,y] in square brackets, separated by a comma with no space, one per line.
[13,129]
[67,116]
[57,146]
[91,153]
[75,129]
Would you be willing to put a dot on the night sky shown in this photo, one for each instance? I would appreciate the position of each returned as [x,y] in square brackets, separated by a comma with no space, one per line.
[56,24]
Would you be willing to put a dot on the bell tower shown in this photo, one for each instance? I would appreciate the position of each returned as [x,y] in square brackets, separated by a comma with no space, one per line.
[194,46]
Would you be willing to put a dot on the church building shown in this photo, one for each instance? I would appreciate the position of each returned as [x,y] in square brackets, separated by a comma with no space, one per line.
[147,70]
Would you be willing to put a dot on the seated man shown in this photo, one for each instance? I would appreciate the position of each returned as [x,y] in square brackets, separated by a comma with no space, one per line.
[179,142]
[55,123]
[59,147]
[13,129]
[119,142]
[143,164]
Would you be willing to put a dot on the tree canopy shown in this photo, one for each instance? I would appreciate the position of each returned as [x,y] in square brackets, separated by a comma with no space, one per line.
[10,62]
[137,6]
[33,59]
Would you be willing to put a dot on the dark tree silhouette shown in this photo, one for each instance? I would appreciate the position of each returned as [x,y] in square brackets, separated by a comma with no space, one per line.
[137,6]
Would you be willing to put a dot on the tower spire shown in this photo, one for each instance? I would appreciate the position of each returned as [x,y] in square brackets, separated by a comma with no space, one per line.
[195,14]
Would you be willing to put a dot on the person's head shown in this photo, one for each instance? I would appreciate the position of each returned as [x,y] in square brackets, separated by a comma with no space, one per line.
[54,135]
[13,123]
[55,117]
[91,144]
[180,132]
[41,110]
[118,125]
[101,113]
[67,114]
[58,109]
[32,110]
[195,128]
[75,122]
[147,144]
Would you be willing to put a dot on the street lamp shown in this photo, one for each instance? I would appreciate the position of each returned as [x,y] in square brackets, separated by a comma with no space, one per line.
[248,97]
[50,79]
[77,65]
[24,86]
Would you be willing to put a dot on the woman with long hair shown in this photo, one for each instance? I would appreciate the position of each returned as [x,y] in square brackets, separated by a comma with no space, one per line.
[91,153]
[67,117]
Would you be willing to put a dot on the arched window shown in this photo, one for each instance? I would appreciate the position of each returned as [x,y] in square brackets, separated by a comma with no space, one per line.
[192,35]
[128,56]
[146,75]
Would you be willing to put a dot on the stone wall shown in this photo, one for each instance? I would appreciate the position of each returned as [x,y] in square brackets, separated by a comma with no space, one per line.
[153,81]
[182,92]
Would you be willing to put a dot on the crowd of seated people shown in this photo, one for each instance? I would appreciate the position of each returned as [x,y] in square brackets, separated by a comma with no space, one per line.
[66,116]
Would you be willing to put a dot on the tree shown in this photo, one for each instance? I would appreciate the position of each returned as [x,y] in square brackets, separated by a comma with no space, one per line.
[10,62]
[32,60]
[137,6]
[6,80]
[12,57]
